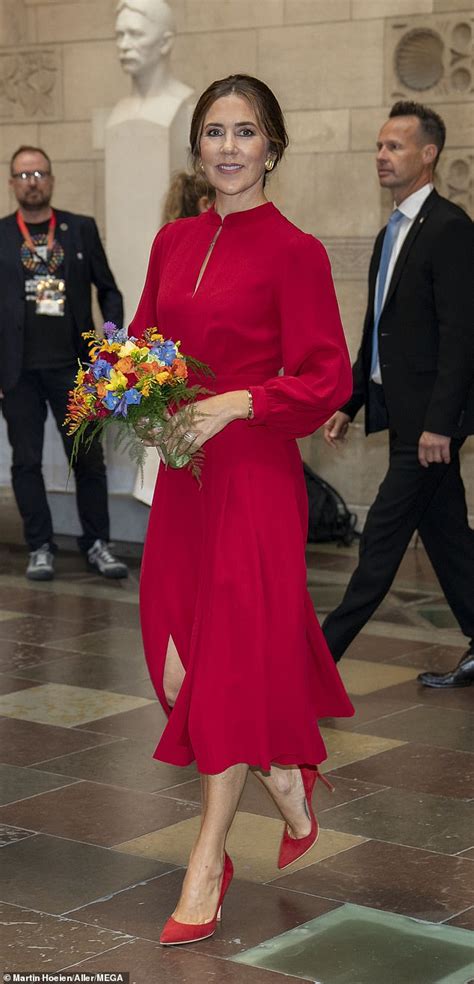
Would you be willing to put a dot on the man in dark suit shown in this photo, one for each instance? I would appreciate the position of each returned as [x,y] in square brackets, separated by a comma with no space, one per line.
[415,375]
[48,261]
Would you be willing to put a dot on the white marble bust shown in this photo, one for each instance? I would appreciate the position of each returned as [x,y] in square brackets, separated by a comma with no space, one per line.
[145,33]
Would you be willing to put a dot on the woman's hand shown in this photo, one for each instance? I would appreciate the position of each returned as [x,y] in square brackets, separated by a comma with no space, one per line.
[189,429]
[148,434]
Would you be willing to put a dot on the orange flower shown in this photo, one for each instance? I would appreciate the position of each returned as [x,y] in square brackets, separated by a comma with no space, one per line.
[179,369]
[125,365]
[101,388]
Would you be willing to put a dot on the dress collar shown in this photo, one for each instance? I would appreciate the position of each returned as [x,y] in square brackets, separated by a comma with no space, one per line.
[246,217]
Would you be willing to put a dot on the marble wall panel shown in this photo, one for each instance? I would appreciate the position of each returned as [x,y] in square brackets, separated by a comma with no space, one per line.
[16,23]
[198,59]
[13,136]
[324,65]
[315,11]
[390,8]
[5,205]
[92,78]
[318,131]
[76,21]
[365,126]
[452,5]
[350,256]
[67,141]
[356,469]
[329,194]
[224,15]
[352,299]
[49,3]
[74,188]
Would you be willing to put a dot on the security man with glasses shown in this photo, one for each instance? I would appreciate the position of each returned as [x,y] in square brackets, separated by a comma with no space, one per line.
[49,259]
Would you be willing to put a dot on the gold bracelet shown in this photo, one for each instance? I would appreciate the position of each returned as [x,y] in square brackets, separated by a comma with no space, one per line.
[250,413]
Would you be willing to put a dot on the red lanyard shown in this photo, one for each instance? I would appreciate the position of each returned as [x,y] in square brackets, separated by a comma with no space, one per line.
[26,235]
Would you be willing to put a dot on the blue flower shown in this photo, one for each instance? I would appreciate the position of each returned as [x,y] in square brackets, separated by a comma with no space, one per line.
[111,401]
[165,352]
[131,398]
[101,369]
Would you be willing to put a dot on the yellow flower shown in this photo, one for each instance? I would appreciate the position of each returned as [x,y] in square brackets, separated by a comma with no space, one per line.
[155,335]
[145,385]
[117,380]
[162,377]
[128,349]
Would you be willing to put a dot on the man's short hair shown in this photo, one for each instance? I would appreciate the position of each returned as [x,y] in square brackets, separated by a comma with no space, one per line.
[26,148]
[433,127]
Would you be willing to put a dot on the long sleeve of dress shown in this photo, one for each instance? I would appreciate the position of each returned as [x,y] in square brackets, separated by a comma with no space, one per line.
[145,315]
[317,376]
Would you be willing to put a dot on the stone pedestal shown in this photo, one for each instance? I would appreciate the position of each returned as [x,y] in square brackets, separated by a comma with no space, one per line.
[141,154]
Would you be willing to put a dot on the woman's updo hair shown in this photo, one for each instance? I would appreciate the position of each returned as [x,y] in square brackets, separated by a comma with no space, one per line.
[265,105]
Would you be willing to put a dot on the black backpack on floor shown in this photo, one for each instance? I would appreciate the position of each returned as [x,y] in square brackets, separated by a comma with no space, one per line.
[329,518]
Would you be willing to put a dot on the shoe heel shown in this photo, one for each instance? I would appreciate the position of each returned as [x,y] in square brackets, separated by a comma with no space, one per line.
[327,783]
[219,914]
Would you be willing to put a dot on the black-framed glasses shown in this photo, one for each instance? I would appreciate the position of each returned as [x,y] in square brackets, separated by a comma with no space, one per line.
[27,175]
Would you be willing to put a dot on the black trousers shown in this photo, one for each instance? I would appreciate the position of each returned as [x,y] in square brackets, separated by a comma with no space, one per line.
[25,408]
[431,500]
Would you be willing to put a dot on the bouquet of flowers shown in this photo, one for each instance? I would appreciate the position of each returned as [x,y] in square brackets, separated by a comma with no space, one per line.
[140,383]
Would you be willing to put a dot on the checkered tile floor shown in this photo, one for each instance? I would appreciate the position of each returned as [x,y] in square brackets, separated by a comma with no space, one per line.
[95,833]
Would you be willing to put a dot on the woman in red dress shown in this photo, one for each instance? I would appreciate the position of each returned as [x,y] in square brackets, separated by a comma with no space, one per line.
[234,648]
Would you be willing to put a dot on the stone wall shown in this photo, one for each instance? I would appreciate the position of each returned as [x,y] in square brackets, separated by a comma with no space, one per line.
[336,66]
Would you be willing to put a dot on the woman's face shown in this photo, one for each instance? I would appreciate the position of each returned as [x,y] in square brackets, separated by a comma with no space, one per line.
[234,148]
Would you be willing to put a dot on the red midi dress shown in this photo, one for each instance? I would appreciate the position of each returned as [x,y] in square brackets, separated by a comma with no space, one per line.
[223,569]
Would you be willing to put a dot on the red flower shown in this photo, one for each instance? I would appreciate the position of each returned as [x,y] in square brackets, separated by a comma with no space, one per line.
[110,357]
[132,379]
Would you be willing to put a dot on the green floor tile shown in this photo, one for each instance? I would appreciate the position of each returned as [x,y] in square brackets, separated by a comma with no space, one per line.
[358,945]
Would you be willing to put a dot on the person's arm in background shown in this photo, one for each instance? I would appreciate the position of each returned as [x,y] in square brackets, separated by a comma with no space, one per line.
[453,254]
[108,294]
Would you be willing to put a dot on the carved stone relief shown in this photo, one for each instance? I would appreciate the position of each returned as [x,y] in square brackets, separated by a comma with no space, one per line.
[455,179]
[430,58]
[29,84]
[349,258]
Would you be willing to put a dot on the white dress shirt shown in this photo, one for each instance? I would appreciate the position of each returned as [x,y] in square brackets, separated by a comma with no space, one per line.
[409,208]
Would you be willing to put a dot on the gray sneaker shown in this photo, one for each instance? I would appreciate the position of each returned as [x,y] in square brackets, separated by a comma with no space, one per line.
[100,557]
[41,564]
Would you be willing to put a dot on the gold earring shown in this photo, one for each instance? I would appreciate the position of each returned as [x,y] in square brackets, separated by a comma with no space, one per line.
[201,165]
[269,164]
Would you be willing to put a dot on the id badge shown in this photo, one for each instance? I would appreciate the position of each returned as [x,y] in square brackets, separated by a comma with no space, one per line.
[50,297]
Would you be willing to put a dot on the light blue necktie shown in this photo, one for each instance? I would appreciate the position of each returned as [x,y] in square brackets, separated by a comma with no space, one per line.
[389,239]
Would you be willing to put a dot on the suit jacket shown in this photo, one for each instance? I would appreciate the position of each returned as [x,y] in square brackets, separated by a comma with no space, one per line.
[426,331]
[85,263]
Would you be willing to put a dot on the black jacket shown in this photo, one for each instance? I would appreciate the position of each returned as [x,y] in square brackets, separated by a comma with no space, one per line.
[85,264]
[426,330]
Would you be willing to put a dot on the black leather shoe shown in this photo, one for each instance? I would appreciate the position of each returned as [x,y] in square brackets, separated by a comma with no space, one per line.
[461,676]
